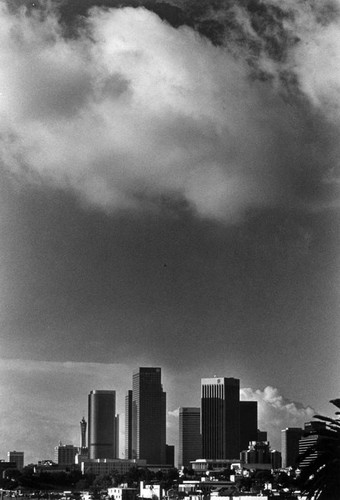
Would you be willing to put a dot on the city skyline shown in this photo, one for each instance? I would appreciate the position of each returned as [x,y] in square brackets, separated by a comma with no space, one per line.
[169,196]
[290,413]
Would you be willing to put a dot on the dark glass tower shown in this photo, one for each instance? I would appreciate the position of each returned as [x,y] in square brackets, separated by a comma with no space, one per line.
[248,423]
[101,424]
[148,416]
[189,444]
[128,425]
[220,418]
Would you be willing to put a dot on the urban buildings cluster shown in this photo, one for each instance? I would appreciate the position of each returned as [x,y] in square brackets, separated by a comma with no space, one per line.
[221,431]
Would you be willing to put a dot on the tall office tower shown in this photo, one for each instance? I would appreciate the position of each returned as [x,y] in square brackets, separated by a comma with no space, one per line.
[17,457]
[309,438]
[220,418]
[83,426]
[101,428]
[190,442]
[148,416]
[248,423]
[290,438]
[128,425]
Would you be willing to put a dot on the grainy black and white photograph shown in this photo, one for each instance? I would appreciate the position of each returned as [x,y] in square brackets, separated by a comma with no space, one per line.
[169,249]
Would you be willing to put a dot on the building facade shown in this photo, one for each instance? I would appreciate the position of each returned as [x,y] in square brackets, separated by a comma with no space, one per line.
[148,437]
[220,418]
[17,457]
[64,454]
[310,438]
[248,423]
[190,442]
[101,424]
[290,438]
[128,425]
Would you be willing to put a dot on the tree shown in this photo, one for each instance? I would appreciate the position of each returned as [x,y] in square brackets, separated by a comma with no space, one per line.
[320,479]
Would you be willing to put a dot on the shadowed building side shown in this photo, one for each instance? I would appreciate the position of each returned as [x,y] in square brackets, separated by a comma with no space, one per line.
[101,424]
[190,442]
[148,416]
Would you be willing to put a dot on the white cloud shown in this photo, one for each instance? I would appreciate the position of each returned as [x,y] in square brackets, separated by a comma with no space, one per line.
[275,412]
[134,110]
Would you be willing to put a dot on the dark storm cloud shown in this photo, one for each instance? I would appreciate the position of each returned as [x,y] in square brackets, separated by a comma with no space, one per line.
[132,110]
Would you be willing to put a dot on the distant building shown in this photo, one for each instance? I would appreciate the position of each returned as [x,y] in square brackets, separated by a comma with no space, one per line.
[128,425]
[276,459]
[190,442]
[220,418]
[17,457]
[105,466]
[121,493]
[64,454]
[290,438]
[116,436]
[101,424]
[308,439]
[170,455]
[148,416]
[248,423]
[258,452]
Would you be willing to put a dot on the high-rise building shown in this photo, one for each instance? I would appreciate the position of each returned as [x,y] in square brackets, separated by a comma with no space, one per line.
[190,442]
[64,454]
[116,442]
[148,416]
[220,418]
[290,438]
[17,457]
[248,423]
[310,438]
[128,425]
[101,424]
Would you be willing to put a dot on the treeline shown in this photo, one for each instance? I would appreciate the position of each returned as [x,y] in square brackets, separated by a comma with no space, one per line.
[76,481]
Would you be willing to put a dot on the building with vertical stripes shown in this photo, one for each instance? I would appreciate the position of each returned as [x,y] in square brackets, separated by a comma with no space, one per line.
[220,418]
[189,443]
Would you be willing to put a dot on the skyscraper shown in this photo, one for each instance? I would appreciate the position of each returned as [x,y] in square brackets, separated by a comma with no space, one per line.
[128,425]
[148,416]
[190,443]
[220,418]
[101,424]
[248,423]
[290,438]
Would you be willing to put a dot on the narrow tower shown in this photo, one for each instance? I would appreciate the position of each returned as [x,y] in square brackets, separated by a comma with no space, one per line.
[83,426]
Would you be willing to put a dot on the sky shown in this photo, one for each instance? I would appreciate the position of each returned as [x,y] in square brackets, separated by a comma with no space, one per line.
[168,197]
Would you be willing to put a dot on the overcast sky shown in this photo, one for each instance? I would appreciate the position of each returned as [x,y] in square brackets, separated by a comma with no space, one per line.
[167,199]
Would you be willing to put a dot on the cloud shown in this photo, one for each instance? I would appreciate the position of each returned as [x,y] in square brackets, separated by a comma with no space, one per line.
[134,114]
[276,412]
